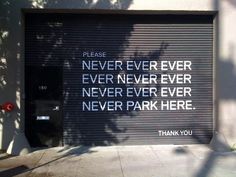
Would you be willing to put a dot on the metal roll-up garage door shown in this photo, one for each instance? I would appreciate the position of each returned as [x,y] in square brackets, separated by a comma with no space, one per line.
[128,79]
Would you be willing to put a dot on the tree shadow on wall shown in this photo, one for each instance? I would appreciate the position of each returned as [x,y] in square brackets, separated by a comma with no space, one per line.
[11,73]
[226,91]
[228,68]
[225,83]
[61,41]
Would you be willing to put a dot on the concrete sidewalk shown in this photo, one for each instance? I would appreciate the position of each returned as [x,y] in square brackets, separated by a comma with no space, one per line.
[122,161]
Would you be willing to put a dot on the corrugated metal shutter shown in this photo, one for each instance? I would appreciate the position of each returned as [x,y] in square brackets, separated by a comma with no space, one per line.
[61,39]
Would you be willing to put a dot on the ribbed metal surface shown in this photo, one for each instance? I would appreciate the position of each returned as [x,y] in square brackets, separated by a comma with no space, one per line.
[60,39]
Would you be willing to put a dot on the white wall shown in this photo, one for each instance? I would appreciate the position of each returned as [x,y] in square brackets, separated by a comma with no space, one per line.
[227,69]
[173,5]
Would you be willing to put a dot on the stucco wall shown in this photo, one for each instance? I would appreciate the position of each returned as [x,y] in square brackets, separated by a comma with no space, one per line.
[227,70]
[11,52]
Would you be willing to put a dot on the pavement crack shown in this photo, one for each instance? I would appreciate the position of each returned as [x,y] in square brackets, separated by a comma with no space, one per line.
[120,162]
[36,164]
[155,154]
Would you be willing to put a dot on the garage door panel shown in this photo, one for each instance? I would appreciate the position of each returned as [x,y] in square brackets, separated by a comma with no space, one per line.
[93,118]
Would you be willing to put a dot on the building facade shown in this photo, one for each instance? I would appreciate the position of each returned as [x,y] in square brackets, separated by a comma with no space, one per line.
[116,72]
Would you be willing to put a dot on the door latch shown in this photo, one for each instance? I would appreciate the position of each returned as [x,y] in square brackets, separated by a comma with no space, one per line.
[56,108]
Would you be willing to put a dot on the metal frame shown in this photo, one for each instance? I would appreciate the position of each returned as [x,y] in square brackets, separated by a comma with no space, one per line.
[215,54]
